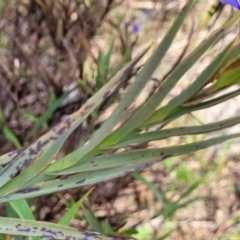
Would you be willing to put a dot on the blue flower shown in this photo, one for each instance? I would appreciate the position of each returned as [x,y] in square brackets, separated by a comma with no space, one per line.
[137,23]
[233,3]
[136,28]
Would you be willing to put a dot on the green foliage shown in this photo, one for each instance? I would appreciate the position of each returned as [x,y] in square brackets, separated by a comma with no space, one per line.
[69,215]
[34,171]
[103,66]
[52,106]
[149,185]
[7,132]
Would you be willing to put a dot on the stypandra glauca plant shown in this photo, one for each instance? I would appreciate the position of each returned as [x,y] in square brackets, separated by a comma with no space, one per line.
[35,171]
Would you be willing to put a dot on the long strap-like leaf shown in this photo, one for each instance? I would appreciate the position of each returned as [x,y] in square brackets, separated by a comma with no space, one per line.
[128,98]
[37,156]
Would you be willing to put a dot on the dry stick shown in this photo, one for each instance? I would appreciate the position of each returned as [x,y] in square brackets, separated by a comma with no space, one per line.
[47,75]
[86,45]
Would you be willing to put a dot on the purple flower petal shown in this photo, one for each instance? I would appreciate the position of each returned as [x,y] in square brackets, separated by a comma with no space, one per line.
[233,3]
[136,28]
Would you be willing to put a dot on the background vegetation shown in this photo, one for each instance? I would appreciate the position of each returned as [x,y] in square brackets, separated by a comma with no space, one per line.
[56,55]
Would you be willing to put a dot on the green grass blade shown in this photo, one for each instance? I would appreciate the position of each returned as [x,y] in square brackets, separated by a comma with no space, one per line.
[179,131]
[60,184]
[12,214]
[3,237]
[200,81]
[131,94]
[11,136]
[146,72]
[103,66]
[48,230]
[149,185]
[92,220]
[35,167]
[224,81]
[7,132]
[107,229]
[100,134]
[69,215]
[117,160]
[233,57]
[171,208]
[126,57]
[191,188]
[137,160]
[22,209]
[180,111]
[8,157]
[101,71]
[227,79]
[149,107]
[40,154]
[48,113]
[30,117]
